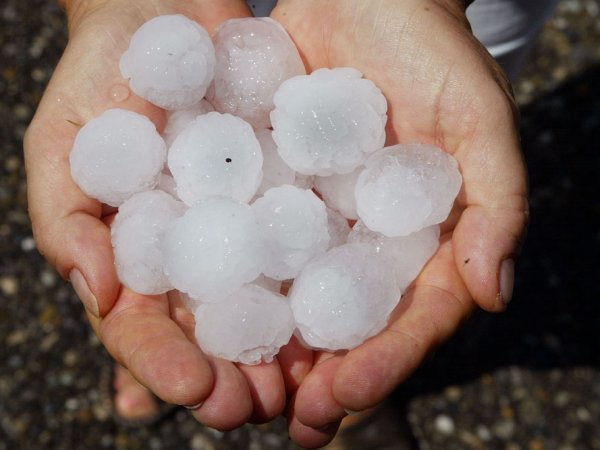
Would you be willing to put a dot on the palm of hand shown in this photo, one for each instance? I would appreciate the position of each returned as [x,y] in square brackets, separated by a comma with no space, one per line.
[442,88]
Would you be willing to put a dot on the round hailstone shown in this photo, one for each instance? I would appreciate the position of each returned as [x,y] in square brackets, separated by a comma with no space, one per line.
[329,121]
[338,227]
[213,249]
[407,253]
[343,297]
[137,234]
[294,223]
[338,192]
[275,171]
[170,62]
[178,120]
[405,188]
[249,326]
[166,183]
[254,56]
[117,155]
[216,154]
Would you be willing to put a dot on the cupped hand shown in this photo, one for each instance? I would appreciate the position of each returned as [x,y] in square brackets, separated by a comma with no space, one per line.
[150,335]
[443,88]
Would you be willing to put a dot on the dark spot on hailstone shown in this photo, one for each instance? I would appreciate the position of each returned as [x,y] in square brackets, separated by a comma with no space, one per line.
[228,160]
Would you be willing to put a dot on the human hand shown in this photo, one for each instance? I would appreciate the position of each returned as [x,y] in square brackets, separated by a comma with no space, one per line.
[150,335]
[444,89]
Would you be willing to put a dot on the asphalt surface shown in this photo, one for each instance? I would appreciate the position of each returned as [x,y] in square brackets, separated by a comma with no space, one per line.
[526,379]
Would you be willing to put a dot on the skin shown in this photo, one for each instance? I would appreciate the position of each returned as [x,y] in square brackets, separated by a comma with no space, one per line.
[442,88]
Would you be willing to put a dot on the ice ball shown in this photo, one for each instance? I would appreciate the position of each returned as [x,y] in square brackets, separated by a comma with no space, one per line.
[338,227]
[294,222]
[213,249]
[117,155]
[181,118]
[338,192]
[216,154]
[249,326]
[137,234]
[407,253]
[254,56]
[329,121]
[275,171]
[170,61]
[343,297]
[405,188]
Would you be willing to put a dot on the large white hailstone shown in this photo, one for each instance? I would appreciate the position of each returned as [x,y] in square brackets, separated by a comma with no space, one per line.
[137,234]
[294,222]
[343,297]
[216,154]
[338,227]
[275,171]
[405,188]
[170,61]
[181,118]
[329,121]
[338,192]
[117,155]
[254,56]
[213,249]
[408,254]
[249,326]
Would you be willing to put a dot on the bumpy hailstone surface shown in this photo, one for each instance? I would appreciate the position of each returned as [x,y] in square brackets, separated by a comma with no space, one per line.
[216,154]
[407,187]
[170,62]
[294,222]
[343,297]
[408,253]
[275,171]
[213,249]
[338,192]
[338,227]
[329,121]
[254,56]
[117,155]
[178,120]
[137,234]
[249,326]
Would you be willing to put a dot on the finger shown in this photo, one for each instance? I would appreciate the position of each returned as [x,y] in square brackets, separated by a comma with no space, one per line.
[315,405]
[306,436]
[295,362]
[425,317]
[140,335]
[490,231]
[267,390]
[229,405]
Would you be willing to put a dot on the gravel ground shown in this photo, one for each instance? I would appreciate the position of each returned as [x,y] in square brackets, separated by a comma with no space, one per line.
[527,379]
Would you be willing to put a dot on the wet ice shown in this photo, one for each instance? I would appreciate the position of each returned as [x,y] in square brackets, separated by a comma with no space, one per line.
[405,188]
[117,155]
[249,326]
[137,233]
[170,61]
[254,56]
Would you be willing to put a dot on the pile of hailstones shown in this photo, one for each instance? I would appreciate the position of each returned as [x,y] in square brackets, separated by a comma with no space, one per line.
[262,190]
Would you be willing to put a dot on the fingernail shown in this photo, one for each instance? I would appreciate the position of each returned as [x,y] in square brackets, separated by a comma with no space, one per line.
[194,407]
[351,412]
[507,280]
[83,291]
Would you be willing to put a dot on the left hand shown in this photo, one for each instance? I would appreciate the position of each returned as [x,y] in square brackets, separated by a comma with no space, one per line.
[443,88]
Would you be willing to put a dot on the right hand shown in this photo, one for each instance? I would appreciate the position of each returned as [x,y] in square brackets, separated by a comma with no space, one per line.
[150,335]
